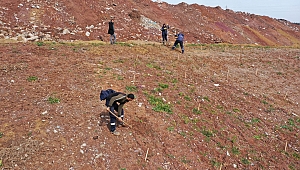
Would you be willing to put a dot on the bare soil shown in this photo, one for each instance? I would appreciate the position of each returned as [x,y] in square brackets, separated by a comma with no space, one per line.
[214,107]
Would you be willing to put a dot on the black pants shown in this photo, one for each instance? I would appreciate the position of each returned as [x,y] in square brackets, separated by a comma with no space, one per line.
[113,119]
[165,37]
[178,42]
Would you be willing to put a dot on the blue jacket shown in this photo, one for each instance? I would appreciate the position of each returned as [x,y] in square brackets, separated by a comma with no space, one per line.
[180,37]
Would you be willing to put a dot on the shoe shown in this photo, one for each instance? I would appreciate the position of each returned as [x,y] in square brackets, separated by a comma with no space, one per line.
[116,133]
[182,51]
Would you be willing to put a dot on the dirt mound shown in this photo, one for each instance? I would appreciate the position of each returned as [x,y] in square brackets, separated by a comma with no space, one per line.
[35,20]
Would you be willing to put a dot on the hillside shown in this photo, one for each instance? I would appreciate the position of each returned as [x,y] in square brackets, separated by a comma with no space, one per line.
[215,107]
[32,20]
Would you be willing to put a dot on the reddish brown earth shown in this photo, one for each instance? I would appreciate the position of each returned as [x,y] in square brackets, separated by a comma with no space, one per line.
[222,107]
[218,106]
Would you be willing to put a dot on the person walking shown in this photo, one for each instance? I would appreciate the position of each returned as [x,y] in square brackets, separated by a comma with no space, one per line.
[164,32]
[115,102]
[111,31]
[179,40]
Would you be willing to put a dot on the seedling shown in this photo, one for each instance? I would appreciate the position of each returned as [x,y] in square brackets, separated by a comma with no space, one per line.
[39,43]
[235,150]
[53,100]
[245,161]
[171,128]
[32,78]
[131,88]
[196,111]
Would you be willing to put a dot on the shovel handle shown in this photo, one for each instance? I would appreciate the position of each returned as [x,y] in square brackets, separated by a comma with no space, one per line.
[121,119]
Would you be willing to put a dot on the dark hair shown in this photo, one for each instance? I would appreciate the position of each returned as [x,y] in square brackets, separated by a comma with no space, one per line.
[130,96]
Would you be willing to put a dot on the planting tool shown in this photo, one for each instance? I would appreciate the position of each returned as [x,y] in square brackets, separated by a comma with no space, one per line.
[119,119]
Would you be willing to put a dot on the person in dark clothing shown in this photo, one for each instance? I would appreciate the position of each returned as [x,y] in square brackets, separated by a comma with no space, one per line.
[179,40]
[111,31]
[164,32]
[115,102]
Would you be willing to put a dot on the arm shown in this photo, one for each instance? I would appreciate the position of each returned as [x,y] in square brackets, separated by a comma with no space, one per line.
[115,98]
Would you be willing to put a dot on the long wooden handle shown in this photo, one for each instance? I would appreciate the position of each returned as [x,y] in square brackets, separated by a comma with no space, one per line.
[121,119]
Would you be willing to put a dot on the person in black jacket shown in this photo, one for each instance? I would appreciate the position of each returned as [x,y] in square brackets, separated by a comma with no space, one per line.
[164,32]
[111,31]
[115,102]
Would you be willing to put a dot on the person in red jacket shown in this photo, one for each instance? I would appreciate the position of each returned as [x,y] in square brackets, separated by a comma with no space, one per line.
[115,102]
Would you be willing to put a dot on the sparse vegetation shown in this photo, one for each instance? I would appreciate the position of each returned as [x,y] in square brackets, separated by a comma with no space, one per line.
[53,100]
[159,105]
[131,88]
[32,78]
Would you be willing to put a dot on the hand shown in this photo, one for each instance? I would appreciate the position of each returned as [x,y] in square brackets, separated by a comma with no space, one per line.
[120,119]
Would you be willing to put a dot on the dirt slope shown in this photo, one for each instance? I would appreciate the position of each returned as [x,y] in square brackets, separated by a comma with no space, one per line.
[215,107]
[32,20]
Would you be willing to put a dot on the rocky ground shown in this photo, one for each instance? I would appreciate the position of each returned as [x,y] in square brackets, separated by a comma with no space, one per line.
[49,20]
[214,107]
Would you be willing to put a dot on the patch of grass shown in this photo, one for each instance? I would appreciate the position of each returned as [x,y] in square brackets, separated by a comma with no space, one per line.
[150,65]
[53,100]
[235,150]
[170,156]
[186,119]
[182,134]
[1,134]
[290,124]
[158,89]
[245,93]
[255,120]
[39,43]
[120,77]
[187,98]
[184,160]
[292,167]
[32,78]
[131,88]
[245,161]
[235,110]
[270,109]
[215,163]
[220,107]
[170,128]
[296,155]
[29,134]
[125,44]
[229,112]
[258,137]
[264,102]
[174,81]
[159,105]
[196,111]
[206,98]
[162,85]
[118,61]
[207,133]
